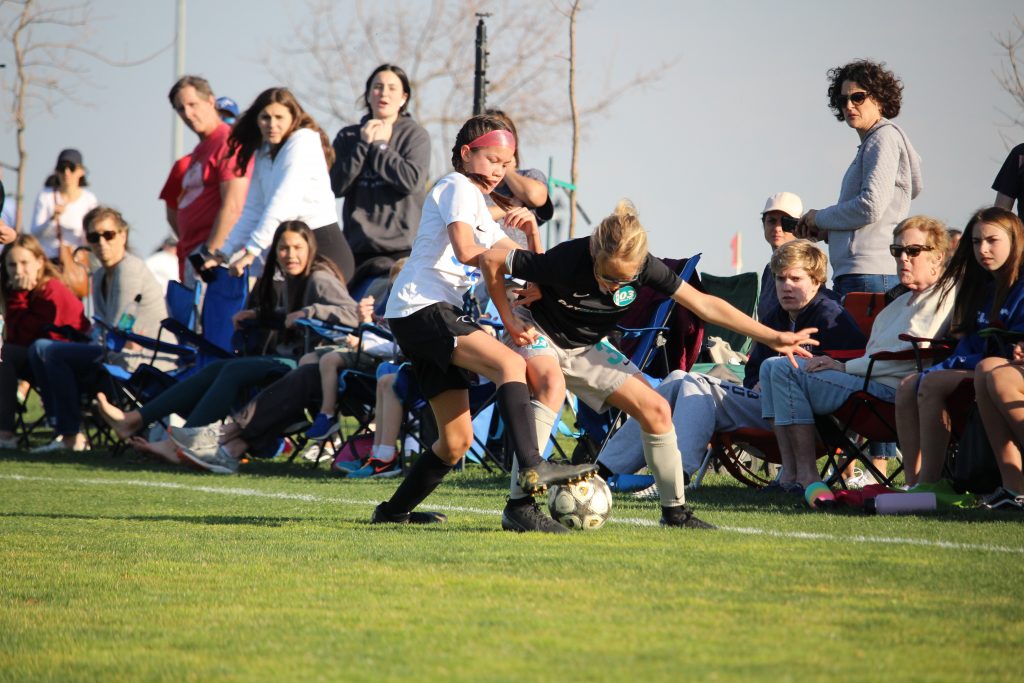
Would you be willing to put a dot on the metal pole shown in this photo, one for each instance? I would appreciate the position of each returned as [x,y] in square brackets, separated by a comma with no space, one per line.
[177,143]
[480,72]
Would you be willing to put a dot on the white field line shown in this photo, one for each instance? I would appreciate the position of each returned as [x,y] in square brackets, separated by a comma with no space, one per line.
[633,521]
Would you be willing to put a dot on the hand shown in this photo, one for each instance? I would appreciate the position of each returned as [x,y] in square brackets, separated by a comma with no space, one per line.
[371,130]
[527,295]
[210,263]
[522,336]
[289,320]
[7,233]
[366,309]
[237,268]
[819,363]
[791,344]
[520,218]
[238,318]
[58,209]
[352,341]
[807,226]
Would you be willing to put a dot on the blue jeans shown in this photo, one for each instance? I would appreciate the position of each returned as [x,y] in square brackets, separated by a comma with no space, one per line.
[791,396]
[63,370]
[843,285]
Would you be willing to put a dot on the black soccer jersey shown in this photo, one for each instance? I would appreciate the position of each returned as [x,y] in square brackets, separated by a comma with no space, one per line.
[574,311]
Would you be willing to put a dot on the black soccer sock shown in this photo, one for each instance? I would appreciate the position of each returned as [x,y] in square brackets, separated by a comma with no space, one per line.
[517,412]
[603,471]
[424,476]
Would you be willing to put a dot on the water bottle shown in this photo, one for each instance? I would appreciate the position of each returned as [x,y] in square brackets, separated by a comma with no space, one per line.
[901,503]
[127,319]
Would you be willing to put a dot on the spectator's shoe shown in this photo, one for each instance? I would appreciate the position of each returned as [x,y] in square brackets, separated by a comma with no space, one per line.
[414,517]
[9,444]
[682,516]
[219,462]
[343,468]
[57,445]
[376,468]
[534,480]
[649,493]
[629,483]
[859,481]
[204,440]
[323,427]
[526,515]
[1003,499]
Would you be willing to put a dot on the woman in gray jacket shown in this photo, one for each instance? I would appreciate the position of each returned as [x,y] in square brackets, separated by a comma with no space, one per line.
[877,188]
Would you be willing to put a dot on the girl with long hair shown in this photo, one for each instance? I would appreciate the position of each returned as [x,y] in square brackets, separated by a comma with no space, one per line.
[289,181]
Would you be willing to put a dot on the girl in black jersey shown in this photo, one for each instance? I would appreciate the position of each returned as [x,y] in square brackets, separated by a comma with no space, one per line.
[586,286]
[425,315]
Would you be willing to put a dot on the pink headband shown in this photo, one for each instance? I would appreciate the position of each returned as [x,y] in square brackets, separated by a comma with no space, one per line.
[496,138]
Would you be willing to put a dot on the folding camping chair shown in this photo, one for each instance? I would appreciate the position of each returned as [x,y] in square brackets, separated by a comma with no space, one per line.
[741,291]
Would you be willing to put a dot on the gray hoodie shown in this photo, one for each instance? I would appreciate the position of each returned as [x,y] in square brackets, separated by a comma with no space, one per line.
[875,196]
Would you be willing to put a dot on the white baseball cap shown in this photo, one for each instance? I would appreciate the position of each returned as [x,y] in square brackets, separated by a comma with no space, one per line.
[786,202]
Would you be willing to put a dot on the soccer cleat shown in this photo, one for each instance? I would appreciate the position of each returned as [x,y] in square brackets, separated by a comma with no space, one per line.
[323,426]
[682,516]
[1003,499]
[414,517]
[526,515]
[219,462]
[534,480]
[375,468]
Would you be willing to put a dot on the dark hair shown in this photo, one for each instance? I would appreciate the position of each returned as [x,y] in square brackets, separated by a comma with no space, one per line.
[398,71]
[478,125]
[266,296]
[53,180]
[879,82]
[31,243]
[201,85]
[973,280]
[246,137]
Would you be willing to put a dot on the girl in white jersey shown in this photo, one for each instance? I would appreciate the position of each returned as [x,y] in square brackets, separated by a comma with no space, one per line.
[586,286]
[425,314]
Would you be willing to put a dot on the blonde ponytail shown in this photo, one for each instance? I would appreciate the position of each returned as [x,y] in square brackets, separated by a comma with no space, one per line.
[620,236]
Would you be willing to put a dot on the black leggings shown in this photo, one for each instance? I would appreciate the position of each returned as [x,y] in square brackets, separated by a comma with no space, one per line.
[331,242]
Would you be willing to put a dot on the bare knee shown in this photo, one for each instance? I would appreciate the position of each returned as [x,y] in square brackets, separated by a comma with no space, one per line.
[309,359]
[931,392]
[453,445]
[547,385]
[655,415]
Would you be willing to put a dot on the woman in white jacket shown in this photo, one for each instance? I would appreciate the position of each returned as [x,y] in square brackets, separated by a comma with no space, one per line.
[290,181]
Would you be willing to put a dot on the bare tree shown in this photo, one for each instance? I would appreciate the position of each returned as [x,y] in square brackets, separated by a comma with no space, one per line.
[1011,75]
[48,42]
[433,43]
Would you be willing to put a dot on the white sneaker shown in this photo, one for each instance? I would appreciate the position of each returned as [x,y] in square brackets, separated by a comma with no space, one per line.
[202,440]
[60,445]
[860,481]
[9,444]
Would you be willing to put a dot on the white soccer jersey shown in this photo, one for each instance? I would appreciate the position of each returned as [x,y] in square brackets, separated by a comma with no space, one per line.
[433,274]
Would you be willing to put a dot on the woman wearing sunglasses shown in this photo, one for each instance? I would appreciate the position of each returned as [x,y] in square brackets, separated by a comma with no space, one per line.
[791,397]
[62,204]
[878,186]
[123,284]
[987,268]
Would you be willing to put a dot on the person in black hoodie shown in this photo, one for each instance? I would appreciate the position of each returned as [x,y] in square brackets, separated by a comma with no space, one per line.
[380,169]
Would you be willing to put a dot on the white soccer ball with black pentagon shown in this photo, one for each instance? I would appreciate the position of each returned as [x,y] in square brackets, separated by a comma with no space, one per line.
[585,505]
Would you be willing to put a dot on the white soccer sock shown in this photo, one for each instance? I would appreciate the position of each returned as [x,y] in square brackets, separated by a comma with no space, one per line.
[383,453]
[544,419]
[666,464]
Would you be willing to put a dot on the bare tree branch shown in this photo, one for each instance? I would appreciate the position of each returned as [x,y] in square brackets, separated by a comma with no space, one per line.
[1011,74]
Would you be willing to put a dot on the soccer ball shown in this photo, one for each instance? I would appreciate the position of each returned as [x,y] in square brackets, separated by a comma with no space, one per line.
[585,505]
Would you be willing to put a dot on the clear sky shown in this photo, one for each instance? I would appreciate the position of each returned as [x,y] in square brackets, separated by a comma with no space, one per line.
[741,115]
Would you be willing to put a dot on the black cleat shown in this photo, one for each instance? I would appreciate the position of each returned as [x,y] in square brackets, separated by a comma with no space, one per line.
[414,517]
[682,516]
[527,516]
[537,479]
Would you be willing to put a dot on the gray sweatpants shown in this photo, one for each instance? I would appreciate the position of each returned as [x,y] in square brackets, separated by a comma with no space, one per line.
[701,405]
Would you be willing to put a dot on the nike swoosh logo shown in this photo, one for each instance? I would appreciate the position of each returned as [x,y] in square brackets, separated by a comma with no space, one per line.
[580,296]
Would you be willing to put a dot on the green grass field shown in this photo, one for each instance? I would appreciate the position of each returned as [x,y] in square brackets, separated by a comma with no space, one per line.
[113,569]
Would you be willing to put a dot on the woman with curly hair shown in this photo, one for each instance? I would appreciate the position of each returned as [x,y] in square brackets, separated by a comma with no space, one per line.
[877,188]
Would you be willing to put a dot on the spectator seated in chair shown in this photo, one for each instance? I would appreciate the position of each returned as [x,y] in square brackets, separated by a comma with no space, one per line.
[792,396]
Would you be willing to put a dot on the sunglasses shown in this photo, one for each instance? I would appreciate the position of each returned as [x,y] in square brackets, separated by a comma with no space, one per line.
[613,281]
[94,237]
[66,166]
[856,99]
[912,250]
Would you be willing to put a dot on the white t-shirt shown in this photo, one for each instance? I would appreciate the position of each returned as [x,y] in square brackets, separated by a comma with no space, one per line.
[44,227]
[433,274]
